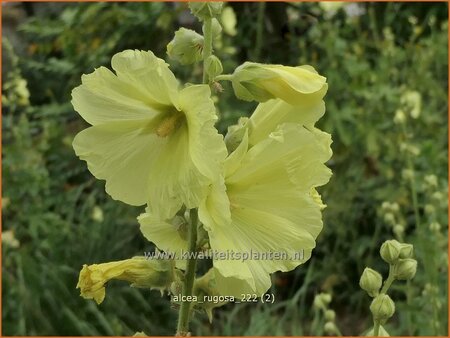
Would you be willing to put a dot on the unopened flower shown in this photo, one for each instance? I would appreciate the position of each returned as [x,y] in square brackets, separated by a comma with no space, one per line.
[262,82]
[405,269]
[390,251]
[382,308]
[186,47]
[206,10]
[149,139]
[370,281]
[138,271]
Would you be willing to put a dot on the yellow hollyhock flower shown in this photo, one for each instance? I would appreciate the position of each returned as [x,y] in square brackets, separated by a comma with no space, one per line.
[138,271]
[267,203]
[262,82]
[150,140]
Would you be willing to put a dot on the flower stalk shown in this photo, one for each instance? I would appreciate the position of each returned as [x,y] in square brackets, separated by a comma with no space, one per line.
[207,49]
[189,276]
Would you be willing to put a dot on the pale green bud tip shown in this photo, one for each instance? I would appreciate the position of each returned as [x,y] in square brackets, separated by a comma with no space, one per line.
[382,308]
[405,269]
[186,47]
[370,281]
[390,251]
[213,67]
[206,10]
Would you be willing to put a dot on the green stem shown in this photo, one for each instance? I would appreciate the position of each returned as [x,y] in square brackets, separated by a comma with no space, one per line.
[189,275]
[224,77]
[376,328]
[389,280]
[207,48]
[259,30]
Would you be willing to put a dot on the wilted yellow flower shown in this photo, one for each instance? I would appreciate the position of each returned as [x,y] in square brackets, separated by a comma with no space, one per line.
[262,82]
[138,271]
[151,141]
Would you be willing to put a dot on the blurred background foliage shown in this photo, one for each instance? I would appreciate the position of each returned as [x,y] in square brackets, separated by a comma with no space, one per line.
[386,65]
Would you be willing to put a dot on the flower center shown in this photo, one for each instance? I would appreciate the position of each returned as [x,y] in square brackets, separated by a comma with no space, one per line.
[169,124]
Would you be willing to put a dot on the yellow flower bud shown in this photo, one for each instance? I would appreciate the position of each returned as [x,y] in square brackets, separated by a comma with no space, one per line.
[262,82]
[390,251]
[405,269]
[382,308]
[186,47]
[370,281]
[138,271]
[206,10]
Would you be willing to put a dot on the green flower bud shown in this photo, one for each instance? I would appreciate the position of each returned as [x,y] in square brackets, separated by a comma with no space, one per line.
[435,227]
[385,205]
[186,47]
[370,281]
[213,67]
[406,250]
[431,180]
[206,10]
[400,117]
[322,300]
[429,209]
[390,251]
[389,218]
[330,328]
[330,315]
[382,308]
[405,269]
[395,207]
[437,196]
[407,174]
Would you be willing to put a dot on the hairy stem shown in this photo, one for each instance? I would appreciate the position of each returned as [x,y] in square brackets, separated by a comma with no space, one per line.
[189,275]
[207,48]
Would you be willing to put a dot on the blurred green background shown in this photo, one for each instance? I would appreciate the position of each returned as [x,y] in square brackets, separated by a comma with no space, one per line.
[381,60]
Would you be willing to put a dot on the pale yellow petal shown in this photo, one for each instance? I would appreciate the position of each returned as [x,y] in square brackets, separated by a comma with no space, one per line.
[150,74]
[271,114]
